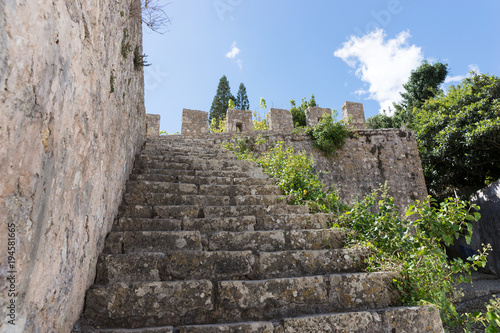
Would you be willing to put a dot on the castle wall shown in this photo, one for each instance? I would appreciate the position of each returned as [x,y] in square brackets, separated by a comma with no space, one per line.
[365,163]
[71,120]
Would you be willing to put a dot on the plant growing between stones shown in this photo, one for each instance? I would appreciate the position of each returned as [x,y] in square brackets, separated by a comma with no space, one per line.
[329,136]
[139,59]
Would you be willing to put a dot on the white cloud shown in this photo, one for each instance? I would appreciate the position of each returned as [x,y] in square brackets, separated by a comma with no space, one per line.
[458,78]
[234,51]
[384,64]
[239,62]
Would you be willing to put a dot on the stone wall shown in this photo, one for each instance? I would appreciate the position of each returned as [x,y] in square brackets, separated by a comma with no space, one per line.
[71,121]
[366,162]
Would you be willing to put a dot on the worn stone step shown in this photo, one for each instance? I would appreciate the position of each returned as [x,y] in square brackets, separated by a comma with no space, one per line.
[255,173]
[276,240]
[225,265]
[207,159]
[419,319]
[198,180]
[203,225]
[294,221]
[212,165]
[165,329]
[170,199]
[205,189]
[277,298]
[152,241]
[149,304]
[165,212]
[257,210]
[248,327]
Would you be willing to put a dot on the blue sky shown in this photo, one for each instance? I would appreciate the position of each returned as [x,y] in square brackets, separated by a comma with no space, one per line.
[359,51]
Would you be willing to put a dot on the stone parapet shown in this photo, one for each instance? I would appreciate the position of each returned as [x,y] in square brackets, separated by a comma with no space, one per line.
[239,121]
[194,122]
[314,115]
[280,120]
[152,125]
[354,114]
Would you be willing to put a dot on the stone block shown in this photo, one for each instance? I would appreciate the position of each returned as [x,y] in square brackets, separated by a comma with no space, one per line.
[280,120]
[354,114]
[130,268]
[314,115]
[252,327]
[194,123]
[152,125]
[316,239]
[155,303]
[247,240]
[239,121]
[161,241]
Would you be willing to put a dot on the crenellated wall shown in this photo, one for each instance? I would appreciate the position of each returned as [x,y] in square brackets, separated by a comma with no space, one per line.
[72,119]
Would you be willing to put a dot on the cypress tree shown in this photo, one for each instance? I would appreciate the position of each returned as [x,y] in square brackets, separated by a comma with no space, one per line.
[221,100]
[242,99]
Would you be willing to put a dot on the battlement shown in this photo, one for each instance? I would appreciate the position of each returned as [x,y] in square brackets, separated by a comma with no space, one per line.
[195,122]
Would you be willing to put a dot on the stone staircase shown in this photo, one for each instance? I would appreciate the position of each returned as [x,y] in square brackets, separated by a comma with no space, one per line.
[206,243]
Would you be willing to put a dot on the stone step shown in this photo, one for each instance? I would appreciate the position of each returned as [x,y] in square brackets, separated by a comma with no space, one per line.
[159,199]
[228,157]
[274,240]
[189,302]
[193,211]
[294,221]
[225,265]
[203,225]
[210,165]
[198,180]
[205,189]
[257,173]
[152,241]
[164,329]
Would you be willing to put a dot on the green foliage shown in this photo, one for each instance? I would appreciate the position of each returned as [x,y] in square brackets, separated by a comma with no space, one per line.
[165,133]
[112,82]
[259,124]
[458,137]
[298,112]
[139,59]
[416,247]
[218,127]
[422,85]
[329,136]
[220,102]
[491,319]
[230,104]
[294,171]
[242,102]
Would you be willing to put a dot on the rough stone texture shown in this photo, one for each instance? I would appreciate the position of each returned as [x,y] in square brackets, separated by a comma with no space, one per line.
[194,123]
[72,119]
[486,230]
[365,163]
[314,115]
[120,304]
[239,121]
[152,125]
[253,327]
[403,320]
[354,115]
[280,120]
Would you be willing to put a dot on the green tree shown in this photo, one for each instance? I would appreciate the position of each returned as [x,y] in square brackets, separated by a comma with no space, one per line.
[422,85]
[242,102]
[298,112]
[221,101]
[458,136]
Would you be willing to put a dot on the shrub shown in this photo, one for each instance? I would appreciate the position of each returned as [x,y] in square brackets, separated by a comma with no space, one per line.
[329,136]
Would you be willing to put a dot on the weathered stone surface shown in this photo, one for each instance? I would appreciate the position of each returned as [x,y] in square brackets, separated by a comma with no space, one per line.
[280,120]
[140,224]
[209,225]
[247,240]
[354,115]
[365,162]
[152,125]
[405,320]
[114,243]
[233,211]
[316,239]
[161,241]
[129,268]
[148,303]
[314,115]
[165,329]
[217,265]
[266,299]
[73,118]
[252,327]
[176,212]
[239,121]
[293,221]
[362,291]
[308,263]
[194,123]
